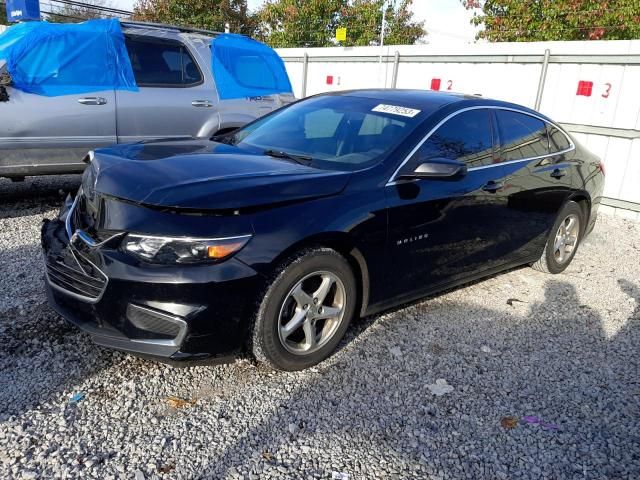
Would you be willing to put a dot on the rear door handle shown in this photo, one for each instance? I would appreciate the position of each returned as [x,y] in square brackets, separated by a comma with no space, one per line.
[92,101]
[558,173]
[202,103]
[493,186]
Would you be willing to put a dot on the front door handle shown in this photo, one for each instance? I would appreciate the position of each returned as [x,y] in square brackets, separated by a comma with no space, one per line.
[92,101]
[202,103]
[558,173]
[493,186]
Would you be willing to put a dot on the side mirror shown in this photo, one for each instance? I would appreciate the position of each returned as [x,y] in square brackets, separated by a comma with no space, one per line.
[435,168]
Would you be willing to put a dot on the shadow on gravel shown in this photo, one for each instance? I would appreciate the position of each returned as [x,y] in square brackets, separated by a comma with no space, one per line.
[576,372]
[633,291]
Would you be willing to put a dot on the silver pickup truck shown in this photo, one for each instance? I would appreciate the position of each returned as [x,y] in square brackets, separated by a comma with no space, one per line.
[177,96]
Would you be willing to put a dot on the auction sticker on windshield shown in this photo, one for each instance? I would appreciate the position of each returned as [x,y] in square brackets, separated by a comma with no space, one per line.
[396,110]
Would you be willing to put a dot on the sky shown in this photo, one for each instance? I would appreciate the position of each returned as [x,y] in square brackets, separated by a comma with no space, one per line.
[447,21]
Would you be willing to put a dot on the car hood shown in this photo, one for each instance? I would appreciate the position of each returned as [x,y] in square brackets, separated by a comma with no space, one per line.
[204,175]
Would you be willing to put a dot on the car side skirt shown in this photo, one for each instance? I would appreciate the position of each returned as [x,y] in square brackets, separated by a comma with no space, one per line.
[431,290]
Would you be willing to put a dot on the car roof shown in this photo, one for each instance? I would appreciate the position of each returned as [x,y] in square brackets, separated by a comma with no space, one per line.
[195,37]
[430,101]
[419,98]
[165,28]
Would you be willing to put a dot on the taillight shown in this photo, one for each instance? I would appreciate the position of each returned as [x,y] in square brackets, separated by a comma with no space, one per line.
[601,167]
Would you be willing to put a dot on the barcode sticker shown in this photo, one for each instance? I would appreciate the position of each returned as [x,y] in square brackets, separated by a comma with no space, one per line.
[396,110]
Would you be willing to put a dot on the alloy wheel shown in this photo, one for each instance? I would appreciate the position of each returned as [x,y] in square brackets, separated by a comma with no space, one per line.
[311,313]
[566,238]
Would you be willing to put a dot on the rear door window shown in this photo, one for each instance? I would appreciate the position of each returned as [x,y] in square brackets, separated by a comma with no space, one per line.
[522,136]
[162,64]
[252,71]
[467,137]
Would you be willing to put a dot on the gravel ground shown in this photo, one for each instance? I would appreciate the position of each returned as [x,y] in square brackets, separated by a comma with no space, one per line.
[543,386]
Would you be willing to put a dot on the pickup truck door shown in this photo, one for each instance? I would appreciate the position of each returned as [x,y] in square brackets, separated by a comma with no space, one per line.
[176,96]
[41,134]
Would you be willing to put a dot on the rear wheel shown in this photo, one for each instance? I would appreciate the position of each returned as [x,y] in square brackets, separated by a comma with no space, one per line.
[563,240]
[306,310]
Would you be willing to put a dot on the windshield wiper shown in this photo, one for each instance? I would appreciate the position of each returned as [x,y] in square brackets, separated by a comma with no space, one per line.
[301,159]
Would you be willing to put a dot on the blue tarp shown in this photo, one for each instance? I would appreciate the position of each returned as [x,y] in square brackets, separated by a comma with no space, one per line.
[54,59]
[243,67]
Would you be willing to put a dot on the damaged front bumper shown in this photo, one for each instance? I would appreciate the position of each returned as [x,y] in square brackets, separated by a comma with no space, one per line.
[174,314]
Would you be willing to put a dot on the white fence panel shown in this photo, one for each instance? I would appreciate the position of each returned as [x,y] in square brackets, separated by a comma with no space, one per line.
[560,100]
[590,86]
[628,114]
[630,189]
[294,70]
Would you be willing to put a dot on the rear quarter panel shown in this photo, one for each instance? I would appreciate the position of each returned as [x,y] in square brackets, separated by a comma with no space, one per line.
[590,180]
[232,113]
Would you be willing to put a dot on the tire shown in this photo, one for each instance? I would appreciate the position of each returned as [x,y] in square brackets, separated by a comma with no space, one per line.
[559,252]
[293,309]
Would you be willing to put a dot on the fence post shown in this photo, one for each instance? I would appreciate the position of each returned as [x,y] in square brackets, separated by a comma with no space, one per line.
[543,78]
[305,66]
[396,64]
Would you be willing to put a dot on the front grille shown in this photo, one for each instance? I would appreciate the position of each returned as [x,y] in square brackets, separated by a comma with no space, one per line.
[71,269]
[85,215]
[84,280]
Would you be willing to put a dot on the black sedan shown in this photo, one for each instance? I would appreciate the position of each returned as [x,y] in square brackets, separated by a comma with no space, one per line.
[270,240]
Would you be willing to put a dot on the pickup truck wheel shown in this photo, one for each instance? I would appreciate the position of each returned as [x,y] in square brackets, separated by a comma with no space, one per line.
[306,310]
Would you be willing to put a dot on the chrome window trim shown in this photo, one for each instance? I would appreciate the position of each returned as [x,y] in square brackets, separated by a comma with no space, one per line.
[528,159]
[392,179]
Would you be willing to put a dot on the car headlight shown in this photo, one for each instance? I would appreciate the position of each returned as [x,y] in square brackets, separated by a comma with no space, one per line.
[181,250]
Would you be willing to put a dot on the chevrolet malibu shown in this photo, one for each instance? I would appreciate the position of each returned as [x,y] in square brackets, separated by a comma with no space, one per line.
[272,239]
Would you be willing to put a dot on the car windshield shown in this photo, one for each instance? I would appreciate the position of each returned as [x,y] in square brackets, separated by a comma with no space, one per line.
[331,132]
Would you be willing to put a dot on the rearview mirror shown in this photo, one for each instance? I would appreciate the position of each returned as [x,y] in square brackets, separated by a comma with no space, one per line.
[443,168]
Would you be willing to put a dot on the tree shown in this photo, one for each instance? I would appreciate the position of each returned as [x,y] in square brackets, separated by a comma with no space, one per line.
[300,23]
[402,29]
[78,13]
[206,14]
[363,21]
[288,23]
[3,14]
[539,20]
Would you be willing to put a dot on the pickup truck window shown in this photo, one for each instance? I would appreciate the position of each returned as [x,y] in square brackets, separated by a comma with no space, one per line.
[162,64]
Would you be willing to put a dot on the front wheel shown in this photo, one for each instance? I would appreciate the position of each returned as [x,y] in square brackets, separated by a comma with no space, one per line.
[306,310]
[563,240]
